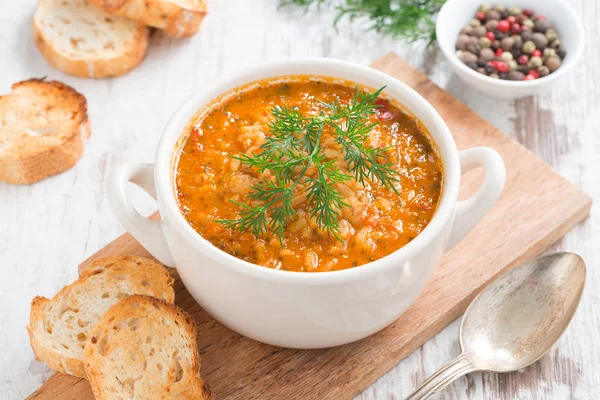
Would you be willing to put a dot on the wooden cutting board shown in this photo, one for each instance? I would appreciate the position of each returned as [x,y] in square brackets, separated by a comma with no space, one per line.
[536,209]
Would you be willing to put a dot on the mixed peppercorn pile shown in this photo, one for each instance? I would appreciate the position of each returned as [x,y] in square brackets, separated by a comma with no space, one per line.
[510,43]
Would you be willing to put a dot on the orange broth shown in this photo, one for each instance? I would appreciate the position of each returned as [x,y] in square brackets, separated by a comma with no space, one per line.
[378,221]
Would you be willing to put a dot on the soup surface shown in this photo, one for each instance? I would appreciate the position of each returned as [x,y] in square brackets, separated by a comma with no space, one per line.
[377,220]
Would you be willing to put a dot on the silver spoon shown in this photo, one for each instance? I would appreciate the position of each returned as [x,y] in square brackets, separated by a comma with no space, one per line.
[515,320]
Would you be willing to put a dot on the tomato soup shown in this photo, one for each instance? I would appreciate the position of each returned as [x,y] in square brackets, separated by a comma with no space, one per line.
[210,182]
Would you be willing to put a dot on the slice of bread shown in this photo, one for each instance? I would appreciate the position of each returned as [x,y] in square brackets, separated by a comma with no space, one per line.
[42,128]
[84,41]
[177,18]
[144,348]
[59,328]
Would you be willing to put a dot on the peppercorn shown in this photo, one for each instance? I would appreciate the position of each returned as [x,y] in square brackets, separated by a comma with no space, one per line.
[486,54]
[528,23]
[472,65]
[480,15]
[498,52]
[516,53]
[534,73]
[489,69]
[473,47]
[518,42]
[511,19]
[503,26]
[515,28]
[553,63]
[524,69]
[479,31]
[503,75]
[561,53]
[542,25]
[484,8]
[549,53]
[493,14]
[485,42]
[515,76]
[501,66]
[512,65]
[555,44]
[503,14]
[506,56]
[500,35]
[523,60]
[551,35]
[514,10]
[462,42]
[543,71]
[481,70]
[491,25]
[466,30]
[535,62]
[529,77]
[494,76]
[528,12]
[481,63]
[536,53]
[490,35]
[540,40]
[528,47]
[495,44]
[474,22]
[526,35]
[507,43]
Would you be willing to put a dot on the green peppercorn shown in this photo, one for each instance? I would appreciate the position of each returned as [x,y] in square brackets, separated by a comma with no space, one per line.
[528,23]
[514,10]
[498,7]
[551,35]
[474,22]
[485,42]
[506,56]
[528,47]
[484,8]
[535,62]
[512,65]
[549,53]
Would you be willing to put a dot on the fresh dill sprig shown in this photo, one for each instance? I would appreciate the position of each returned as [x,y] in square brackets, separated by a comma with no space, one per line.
[408,20]
[293,147]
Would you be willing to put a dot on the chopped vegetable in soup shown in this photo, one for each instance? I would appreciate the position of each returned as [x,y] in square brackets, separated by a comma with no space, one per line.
[307,174]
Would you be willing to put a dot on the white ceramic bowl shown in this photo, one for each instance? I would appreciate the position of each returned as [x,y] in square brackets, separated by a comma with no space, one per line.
[301,309]
[455,14]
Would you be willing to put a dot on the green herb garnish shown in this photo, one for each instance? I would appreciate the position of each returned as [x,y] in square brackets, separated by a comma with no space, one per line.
[293,147]
[408,20]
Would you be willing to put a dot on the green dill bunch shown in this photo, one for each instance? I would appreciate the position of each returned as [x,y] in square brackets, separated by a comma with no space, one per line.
[304,161]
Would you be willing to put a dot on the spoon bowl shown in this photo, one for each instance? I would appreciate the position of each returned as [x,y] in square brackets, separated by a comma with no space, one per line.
[514,321]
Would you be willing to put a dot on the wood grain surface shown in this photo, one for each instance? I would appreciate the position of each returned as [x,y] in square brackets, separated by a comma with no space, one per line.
[47,229]
[239,368]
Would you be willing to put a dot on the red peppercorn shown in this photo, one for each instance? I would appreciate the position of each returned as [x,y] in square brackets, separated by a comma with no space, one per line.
[521,18]
[539,17]
[528,12]
[523,59]
[524,28]
[536,53]
[534,73]
[501,66]
[490,35]
[503,26]
[515,28]
[511,19]
[529,77]
[499,52]
[480,15]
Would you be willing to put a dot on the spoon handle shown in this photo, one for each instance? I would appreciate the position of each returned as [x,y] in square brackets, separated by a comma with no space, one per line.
[456,368]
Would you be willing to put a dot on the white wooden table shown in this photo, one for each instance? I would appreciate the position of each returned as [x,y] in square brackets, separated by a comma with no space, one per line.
[48,228]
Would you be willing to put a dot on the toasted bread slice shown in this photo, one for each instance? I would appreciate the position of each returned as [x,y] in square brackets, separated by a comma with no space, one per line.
[144,348]
[177,18]
[42,128]
[84,41]
[59,328]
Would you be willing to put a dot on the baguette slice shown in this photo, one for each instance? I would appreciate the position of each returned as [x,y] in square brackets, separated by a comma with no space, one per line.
[177,18]
[42,128]
[84,41]
[59,328]
[144,348]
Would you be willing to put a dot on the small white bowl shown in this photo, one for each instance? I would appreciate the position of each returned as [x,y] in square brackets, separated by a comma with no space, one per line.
[455,14]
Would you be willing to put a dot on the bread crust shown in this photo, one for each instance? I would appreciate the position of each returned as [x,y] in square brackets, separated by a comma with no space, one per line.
[157,278]
[178,18]
[93,67]
[28,162]
[151,319]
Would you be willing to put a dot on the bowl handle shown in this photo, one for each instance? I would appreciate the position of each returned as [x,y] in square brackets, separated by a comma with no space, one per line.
[146,231]
[471,210]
